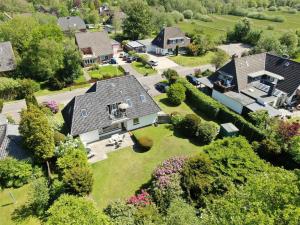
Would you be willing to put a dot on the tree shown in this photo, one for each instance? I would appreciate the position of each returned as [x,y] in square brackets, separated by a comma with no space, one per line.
[181,213]
[207,131]
[39,198]
[240,30]
[176,93]
[260,118]
[188,14]
[170,75]
[269,43]
[37,134]
[69,209]
[78,180]
[290,40]
[74,157]
[71,69]
[219,59]
[294,149]
[203,42]
[137,23]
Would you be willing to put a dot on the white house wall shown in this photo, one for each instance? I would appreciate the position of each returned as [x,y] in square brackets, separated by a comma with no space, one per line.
[89,136]
[229,102]
[144,121]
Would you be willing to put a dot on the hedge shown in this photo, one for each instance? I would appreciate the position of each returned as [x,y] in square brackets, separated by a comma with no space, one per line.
[218,112]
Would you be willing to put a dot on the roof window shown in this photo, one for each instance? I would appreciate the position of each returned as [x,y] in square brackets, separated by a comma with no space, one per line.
[129,102]
[84,113]
[142,97]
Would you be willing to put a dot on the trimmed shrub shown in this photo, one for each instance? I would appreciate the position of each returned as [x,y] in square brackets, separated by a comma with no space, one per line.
[55,84]
[145,142]
[59,138]
[177,16]
[176,119]
[14,173]
[207,131]
[188,14]
[189,125]
[9,88]
[176,93]
[170,75]
[217,111]
[1,104]
[27,86]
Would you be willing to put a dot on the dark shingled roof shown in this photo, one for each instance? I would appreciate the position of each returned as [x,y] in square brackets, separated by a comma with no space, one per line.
[7,57]
[101,94]
[240,68]
[161,40]
[71,23]
[99,42]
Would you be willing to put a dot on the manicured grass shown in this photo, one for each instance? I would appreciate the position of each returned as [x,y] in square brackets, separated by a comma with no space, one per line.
[80,80]
[50,92]
[126,170]
[162,101]
[192,61]
[8,206]
[297,59]
[222,23]
[108,70]
[140,68]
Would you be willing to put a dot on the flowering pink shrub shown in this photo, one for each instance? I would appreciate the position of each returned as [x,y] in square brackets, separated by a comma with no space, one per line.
[140,200]
[52,105]
[164,173]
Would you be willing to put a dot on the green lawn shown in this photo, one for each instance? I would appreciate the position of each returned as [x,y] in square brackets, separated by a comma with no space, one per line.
[297,59]
[8,207]
[140,68]
[163,103]
[80,80]
[192,61]
[221,23]
[126,170]
[50,92]
[109,70]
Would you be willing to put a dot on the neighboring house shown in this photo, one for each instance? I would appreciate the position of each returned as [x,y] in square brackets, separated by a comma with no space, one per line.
[256,82]
[116,46]
[108,107]
[168,39]
[7,57]
[135,46]
[10,140]
[95,47]
[71,24]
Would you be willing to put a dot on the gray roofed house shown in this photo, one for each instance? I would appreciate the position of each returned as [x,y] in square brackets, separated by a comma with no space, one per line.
[94,46]
[71,23]
[270,80]
[7,57]
[168,39]
[110,106]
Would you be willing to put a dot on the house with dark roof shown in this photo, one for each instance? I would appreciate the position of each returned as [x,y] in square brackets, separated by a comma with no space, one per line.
[108,107]
[168,39]
[96,47]
[71,24]
[256,82]
[7,57]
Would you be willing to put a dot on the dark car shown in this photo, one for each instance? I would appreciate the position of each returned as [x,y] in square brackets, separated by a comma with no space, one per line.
[161,87]
[193,80]
[152,63]
[130,59]
[113,61]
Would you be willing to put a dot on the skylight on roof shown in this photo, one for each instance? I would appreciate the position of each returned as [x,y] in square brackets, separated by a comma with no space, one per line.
[143,98]
[84,113]
[129,102]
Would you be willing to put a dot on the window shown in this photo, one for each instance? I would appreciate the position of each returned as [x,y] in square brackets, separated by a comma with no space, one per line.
[84,113]
[142,97]
[136,121]
[129,102]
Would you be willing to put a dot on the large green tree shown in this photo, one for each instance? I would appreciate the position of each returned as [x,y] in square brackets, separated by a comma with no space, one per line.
[76,211]
[137,23]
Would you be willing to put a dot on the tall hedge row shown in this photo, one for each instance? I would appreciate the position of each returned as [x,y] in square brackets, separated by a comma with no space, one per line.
[217,111]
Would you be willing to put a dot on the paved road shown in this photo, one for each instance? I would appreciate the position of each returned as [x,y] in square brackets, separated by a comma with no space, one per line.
[14,108]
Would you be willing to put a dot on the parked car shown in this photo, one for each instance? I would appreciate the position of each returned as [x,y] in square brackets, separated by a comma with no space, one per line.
[113,61]
[161,87]
[152,63]
[192,79]
[131,59]
[122,54]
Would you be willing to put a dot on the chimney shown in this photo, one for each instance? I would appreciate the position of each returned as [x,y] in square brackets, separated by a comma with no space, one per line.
[272,88]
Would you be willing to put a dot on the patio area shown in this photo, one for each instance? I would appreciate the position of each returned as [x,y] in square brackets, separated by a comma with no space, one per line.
[101,148]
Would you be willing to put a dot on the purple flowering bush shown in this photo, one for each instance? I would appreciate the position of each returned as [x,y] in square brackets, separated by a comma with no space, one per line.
[166,182]
[52,105]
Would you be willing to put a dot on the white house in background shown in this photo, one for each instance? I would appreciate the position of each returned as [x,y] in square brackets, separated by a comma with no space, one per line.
[256,82]
[108,107]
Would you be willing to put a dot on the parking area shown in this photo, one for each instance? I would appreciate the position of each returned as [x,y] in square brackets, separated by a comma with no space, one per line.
[163,62]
